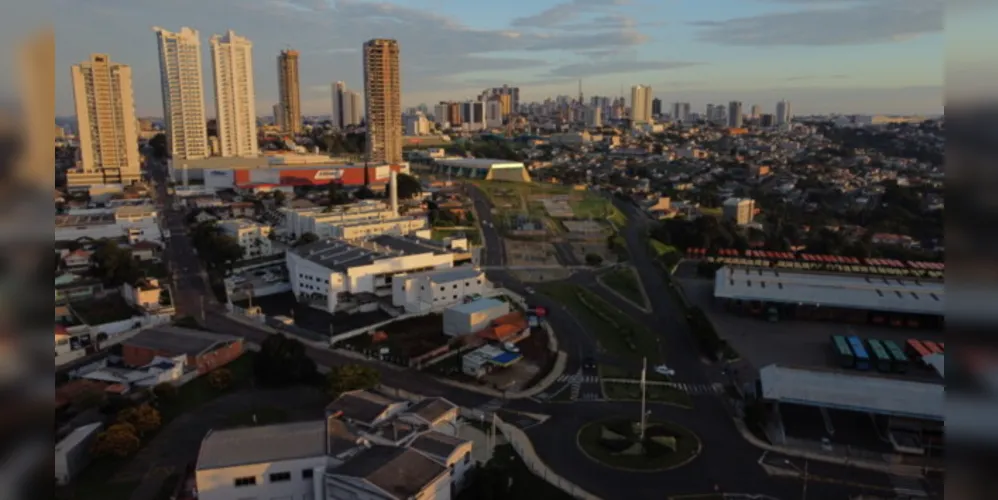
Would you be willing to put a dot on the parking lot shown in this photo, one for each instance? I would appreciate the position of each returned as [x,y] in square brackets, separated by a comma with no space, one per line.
[788,341]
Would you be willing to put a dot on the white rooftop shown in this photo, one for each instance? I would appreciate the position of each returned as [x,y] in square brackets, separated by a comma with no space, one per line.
[479,163]
[903,295]
[262,444]
[846,391]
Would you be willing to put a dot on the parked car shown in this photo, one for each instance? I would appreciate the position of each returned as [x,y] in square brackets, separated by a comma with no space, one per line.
[510,347]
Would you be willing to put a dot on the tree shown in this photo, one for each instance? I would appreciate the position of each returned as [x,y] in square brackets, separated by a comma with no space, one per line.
[364,193]
[216,249]
[119,440]
[351,378]
[114,265]
[220,378]
[89,397]
[281,362]
[469,218]
[306,239]
[158,145]
[593,259]
[143,418]
[279,198]
[408,186]
[165,391]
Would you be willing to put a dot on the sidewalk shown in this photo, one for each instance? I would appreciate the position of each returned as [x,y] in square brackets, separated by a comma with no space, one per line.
[887,468]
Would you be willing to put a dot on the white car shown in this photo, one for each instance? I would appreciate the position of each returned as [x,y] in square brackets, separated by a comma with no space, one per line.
[664,370]
[510,347]
[529,290]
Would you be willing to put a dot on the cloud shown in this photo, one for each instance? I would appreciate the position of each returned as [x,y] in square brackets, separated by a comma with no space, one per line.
[563,12]
[828,23]
[580,70]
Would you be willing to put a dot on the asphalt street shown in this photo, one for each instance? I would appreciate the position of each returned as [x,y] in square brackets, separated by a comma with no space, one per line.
[727,459]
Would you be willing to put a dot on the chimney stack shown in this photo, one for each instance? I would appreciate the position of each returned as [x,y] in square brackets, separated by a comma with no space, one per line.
[394,192]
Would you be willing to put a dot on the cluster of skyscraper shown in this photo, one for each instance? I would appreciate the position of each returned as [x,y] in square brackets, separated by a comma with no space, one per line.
[105,106]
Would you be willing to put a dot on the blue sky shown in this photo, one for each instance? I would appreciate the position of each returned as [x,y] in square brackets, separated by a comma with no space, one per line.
[850,56]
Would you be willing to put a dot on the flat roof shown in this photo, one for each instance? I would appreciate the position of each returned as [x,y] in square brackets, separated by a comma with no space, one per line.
[262,444]
[847,391]
[408,245]
[450,275]
[477,305]
[177,340]
[97,219]
[903,295]
[479,163]
[337,255]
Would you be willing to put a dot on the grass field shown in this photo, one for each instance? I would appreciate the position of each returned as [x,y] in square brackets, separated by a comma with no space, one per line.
[594,437]
[660,248]
[609,332]
[625,282]
[659,393]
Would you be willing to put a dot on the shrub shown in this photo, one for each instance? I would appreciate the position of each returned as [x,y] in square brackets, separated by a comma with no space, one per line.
[220,378]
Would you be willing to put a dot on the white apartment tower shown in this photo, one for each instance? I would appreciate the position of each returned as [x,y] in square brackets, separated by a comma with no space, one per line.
[641,104]
[232,60]
[383,101]
[105,114]
[183,93]
[346,106]
[783,113]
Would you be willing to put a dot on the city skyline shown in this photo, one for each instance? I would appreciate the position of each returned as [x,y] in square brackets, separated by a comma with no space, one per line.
[756,52]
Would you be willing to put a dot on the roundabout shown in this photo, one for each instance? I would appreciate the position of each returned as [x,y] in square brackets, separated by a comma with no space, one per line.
[618,443]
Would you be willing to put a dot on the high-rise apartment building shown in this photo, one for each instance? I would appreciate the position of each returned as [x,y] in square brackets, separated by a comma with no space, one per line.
[681,112]
[594,116]
[508,96]
[656,107]
[493,112]
[734,114]
[279,116]
[183,93]
[346,107]
[288,90]
[755,112]
[416,123]
[235,97]
[105,115]
[383,101]
[783,113]
[741,211]
[641,104]
[473,114]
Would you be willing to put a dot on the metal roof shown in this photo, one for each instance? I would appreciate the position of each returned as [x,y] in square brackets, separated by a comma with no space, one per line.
[480,163]
[847,391]
[262,444]
[903,295]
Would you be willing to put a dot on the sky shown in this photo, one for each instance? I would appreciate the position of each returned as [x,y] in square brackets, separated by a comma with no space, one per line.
[825,56]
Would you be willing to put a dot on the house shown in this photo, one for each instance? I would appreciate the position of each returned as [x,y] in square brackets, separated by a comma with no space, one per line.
[203,350]
[73,287]
[144,251]
[389,473]
[77,260]
[365,408]
[451,452]
[435,413]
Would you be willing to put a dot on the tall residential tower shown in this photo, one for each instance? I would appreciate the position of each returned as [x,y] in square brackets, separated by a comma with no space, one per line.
[235,99]
[383,101]
[288,89]
[105,116]
[641,104]
[346,106]
[183,93]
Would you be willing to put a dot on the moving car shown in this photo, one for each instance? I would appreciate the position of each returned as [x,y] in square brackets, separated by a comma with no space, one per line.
[529,290]
[589,363]
[664,370]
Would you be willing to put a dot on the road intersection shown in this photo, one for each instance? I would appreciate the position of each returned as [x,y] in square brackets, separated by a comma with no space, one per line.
[727,462]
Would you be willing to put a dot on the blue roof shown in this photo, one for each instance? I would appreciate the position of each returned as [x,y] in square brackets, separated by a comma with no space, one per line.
[506,358]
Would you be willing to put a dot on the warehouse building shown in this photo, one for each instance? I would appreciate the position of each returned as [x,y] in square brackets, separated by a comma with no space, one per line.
[775,294]
[908,413]
[287,170]
[133,223]
[482,168]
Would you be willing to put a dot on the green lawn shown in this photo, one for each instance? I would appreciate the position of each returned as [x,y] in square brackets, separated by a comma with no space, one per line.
[625,282]
[607,322]
[659,393]
[660,248]
[605,440]
[590,207]
[199,391]
[617,217]
[713,212]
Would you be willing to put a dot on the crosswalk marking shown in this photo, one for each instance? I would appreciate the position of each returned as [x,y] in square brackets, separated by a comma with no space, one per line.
[699,388]
[575,377]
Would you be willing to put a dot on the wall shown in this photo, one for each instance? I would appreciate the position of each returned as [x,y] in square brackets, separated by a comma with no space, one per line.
[219,484]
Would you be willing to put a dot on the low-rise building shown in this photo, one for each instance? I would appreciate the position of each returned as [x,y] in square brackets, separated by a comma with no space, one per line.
[368,447]
[253,237]
[328,273]
[134,223]
[434,290]
[205,351]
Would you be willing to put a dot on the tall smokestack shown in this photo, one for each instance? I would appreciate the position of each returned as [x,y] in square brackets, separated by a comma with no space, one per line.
[394,192]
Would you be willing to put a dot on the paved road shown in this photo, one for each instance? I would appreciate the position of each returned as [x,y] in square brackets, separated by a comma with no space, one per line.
[727,459]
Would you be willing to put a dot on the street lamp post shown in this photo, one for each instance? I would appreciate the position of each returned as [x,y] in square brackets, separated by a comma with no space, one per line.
[803,473]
